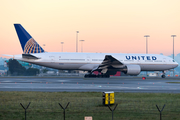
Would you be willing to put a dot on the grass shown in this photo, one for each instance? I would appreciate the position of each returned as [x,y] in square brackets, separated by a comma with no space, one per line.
[131,106]
[174,82]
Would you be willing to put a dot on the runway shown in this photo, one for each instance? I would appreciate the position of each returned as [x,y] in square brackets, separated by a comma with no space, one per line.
[80,84]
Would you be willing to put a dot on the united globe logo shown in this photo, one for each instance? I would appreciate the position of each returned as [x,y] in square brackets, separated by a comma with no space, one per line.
[32,47]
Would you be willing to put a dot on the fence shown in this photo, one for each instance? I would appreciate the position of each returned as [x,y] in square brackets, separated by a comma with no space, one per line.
[49,109]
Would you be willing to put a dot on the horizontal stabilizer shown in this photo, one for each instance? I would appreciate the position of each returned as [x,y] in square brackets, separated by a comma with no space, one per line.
[29,56]
[8,55]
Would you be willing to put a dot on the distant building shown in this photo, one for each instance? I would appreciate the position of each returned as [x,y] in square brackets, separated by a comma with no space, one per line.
[2,60]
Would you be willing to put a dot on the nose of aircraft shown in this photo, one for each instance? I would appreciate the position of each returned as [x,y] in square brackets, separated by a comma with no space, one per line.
[176,64]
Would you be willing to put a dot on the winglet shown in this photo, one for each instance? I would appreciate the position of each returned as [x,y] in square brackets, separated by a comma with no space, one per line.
[28,44]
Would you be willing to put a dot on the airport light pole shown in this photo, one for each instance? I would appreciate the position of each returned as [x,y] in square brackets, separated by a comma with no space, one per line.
[146,47]
[77,41]
[81,44]
[173,50]
[62,46]
[146,43]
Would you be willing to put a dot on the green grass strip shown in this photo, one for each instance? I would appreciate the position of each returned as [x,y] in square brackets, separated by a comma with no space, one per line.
[174,82]
[131,106]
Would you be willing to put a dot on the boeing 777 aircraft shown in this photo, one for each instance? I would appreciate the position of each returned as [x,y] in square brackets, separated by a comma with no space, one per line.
[105,63]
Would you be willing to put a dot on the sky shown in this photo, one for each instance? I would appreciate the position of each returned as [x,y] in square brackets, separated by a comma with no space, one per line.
[107,26]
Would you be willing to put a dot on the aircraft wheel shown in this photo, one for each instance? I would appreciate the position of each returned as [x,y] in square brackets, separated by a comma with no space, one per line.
[85,76]
[163,76]
[99,76]
[107,76]
[104,76]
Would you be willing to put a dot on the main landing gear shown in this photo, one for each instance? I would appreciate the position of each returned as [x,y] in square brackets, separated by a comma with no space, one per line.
[163,75]
[96,76]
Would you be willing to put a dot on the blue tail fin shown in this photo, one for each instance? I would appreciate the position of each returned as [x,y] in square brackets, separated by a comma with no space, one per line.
[28,44]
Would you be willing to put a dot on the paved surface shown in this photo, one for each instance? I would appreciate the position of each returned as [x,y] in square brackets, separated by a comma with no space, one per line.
[80,84]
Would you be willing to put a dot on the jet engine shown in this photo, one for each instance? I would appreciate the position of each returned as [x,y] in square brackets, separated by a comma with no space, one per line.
[132,69]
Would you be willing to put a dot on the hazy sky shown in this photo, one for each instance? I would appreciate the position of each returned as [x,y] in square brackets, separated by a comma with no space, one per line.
[112,26]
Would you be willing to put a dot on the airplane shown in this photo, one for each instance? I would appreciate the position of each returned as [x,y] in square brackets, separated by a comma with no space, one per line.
[105,63]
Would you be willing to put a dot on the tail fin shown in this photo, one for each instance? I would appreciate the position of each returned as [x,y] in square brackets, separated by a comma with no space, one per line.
[28,44]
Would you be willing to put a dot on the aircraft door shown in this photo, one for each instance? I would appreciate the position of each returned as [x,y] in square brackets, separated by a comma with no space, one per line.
[88,59]
[164,61]
[52,58]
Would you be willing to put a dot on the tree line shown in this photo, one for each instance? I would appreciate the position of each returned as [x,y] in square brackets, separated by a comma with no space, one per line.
[16,69]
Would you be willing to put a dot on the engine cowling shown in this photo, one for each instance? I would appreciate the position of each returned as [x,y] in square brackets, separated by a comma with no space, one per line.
[132,70]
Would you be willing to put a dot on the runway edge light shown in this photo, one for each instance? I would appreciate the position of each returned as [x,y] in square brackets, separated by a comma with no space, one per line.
[108,98]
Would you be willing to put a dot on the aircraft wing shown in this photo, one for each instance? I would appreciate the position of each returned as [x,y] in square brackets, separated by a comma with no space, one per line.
[109,62]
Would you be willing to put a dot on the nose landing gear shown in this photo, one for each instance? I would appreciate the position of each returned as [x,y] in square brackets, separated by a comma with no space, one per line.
[163,75]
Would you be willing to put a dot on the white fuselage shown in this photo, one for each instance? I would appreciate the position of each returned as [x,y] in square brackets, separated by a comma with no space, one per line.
[89,61]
